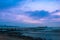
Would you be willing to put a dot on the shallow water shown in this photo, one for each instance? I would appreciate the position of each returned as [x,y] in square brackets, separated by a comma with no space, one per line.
[47,35]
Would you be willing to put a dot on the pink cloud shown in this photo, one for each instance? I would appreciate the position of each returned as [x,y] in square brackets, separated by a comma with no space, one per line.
[19,18]
[55,20]
[12,16]
[58,13]
[27,19]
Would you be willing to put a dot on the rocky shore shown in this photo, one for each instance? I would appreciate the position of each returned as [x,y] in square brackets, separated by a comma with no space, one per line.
[15,35]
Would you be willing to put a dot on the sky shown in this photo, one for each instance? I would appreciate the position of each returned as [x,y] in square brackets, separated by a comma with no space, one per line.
[30,13]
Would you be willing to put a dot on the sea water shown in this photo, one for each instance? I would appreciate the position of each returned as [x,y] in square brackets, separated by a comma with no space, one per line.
[43,34]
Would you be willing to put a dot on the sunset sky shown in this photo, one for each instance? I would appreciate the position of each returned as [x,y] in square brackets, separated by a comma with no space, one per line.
[30,13]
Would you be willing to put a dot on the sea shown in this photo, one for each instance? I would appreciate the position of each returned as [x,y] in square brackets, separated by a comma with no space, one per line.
[48,34]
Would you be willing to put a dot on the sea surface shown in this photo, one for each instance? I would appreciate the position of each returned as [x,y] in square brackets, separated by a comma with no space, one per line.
[47,34]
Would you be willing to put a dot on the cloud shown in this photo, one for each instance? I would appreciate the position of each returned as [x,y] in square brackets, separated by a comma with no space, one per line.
[57,13]
[19,18]
[30,12]
[43,0]
[43,5]
[38,14]
[30,17]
